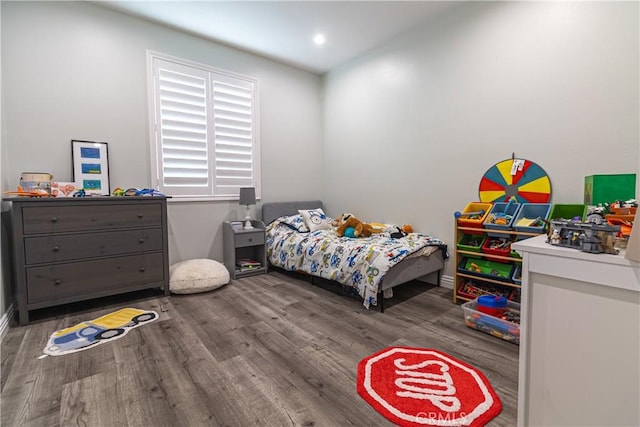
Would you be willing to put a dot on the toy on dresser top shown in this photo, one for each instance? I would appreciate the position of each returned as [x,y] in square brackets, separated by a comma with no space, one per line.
[587,237]
[118,192]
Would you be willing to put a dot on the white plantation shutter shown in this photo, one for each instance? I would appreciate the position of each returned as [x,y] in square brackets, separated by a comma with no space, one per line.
[233,134]
[182,132]
[204,138]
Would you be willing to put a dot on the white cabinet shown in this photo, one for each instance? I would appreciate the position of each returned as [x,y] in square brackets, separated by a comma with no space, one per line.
[579,338]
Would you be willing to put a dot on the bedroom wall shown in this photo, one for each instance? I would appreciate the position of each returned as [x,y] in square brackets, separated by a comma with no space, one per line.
[75,70]
[411,126]
[5,298]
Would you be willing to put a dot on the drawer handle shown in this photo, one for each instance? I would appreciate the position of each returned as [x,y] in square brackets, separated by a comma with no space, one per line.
[140,215]
[251,240]
[57,282]
[54,219]
[56,248]
[141,269]
[141,240]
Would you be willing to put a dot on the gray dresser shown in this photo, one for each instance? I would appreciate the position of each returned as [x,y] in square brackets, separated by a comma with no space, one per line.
[73,249]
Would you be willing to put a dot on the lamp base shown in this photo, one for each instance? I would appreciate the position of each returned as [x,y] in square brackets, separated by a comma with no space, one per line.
[247,221]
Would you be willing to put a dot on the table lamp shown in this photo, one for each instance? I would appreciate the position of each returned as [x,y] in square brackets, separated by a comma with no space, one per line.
[247,197]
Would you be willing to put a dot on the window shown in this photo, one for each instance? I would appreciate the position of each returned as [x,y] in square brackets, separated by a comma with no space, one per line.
[204,130]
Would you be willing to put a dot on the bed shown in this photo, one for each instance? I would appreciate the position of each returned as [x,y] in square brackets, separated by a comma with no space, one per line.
[371,266]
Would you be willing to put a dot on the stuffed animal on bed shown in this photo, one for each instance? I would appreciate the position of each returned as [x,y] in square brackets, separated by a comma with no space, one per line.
[360,229]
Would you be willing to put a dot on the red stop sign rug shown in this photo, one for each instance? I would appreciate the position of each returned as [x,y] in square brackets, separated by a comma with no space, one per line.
[424,387]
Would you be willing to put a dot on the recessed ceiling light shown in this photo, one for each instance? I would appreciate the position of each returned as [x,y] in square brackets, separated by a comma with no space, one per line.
[319,39]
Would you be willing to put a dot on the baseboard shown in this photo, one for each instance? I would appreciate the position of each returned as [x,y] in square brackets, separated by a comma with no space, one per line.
[446,282]
[5,320]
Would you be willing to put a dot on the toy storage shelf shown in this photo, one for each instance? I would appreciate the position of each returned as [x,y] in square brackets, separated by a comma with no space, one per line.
[461,277]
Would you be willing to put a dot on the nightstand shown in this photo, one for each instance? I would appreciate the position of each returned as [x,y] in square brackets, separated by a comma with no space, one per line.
[242,245]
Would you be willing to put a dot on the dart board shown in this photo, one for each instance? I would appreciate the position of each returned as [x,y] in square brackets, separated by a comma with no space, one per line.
[529,184]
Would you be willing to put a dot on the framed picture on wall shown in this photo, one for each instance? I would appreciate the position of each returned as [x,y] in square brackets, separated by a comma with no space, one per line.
[91,166]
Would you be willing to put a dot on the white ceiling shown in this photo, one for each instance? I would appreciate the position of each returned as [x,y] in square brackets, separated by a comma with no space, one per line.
[283,30]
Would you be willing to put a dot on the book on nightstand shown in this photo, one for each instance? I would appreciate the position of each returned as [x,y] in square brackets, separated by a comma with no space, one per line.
[247,264]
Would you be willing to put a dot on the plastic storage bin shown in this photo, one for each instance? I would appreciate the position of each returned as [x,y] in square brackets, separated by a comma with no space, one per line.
[489,247]
[501,210]
[621,216]
[517,275]
[485,268]
[568,212]
[532,211]
[476,221]
[623,211]
[472,289]
[496,326]
[492,304]
[607,188]
[471,243]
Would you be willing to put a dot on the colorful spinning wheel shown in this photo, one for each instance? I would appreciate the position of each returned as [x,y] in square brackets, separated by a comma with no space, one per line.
[530,184]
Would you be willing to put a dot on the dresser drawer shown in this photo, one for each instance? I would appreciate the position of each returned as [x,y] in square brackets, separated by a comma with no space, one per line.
[249,239]
[60,219]
[67,247]
[60,281]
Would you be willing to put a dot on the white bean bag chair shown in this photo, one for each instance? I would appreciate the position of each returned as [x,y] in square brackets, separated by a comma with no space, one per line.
[197,275]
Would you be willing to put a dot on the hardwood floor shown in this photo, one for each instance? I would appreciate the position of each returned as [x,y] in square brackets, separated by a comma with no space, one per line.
[268,350]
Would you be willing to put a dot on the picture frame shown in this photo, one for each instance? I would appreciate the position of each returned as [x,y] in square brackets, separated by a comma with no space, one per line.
[91,166]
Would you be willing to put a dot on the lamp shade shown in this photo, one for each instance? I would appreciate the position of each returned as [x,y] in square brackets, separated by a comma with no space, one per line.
[247,196]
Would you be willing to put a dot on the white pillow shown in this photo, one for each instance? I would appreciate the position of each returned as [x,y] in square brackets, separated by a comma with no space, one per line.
[316,219]
[197,275]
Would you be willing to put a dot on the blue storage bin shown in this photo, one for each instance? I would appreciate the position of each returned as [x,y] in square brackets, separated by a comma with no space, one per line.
[517,275]
[532,211]
[500,209]
[494,305]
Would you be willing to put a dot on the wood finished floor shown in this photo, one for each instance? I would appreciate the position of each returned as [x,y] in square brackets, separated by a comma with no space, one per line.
[268,350]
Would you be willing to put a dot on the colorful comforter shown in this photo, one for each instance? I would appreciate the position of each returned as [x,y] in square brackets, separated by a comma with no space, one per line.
[360,263]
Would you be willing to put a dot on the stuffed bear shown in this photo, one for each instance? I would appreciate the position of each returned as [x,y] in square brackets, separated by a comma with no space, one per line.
[360,229]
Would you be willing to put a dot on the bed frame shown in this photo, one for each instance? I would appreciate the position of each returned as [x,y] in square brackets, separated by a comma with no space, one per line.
[406,270]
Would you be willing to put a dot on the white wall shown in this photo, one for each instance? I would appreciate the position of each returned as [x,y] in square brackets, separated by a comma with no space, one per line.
[5,298]
[406,131]
[78,71]
[75,70]
[411,127]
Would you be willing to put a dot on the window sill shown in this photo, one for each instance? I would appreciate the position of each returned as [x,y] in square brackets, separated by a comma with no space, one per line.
[191,199]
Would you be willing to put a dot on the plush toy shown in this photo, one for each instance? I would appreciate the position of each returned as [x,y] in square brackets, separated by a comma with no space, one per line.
[350,232]
[360,229]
